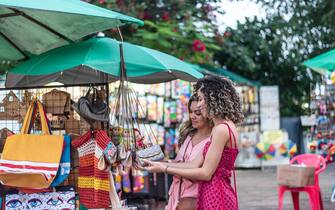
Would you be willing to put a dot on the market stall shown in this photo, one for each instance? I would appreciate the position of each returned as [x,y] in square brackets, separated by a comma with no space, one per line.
[319,137]
[164,109]
[69,108]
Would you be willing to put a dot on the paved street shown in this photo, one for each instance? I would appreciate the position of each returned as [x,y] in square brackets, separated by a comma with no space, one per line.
[258,190]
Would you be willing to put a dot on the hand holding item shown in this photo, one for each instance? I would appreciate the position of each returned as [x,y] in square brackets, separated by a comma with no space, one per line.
[154,167]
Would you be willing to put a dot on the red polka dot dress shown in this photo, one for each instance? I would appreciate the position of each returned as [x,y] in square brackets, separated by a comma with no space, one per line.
[218,194]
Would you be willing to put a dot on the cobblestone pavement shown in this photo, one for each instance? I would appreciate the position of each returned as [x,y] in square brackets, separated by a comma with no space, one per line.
[258,190]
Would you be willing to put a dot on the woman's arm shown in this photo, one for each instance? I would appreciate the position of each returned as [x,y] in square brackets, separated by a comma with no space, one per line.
[195,163]
[220,136]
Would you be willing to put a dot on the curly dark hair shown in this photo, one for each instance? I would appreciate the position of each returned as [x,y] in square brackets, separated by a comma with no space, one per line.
[221,98]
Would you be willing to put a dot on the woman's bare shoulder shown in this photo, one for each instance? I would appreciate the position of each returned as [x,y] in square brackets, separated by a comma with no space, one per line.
[222,131]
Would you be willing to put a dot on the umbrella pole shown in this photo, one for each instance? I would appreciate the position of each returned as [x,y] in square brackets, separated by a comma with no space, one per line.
[107,95]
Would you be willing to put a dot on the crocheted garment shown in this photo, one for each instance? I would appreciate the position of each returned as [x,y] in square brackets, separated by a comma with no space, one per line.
[93,184]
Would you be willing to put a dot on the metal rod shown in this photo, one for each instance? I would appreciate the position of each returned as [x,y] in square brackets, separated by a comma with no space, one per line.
[107,98]
[53,86]
[14,45]
[8,15]
[120,34]
[42,25]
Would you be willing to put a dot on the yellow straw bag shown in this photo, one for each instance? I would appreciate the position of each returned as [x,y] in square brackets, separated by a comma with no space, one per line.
[31,160]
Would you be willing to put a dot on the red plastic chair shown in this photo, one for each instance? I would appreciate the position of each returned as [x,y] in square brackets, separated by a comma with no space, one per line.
[314,192]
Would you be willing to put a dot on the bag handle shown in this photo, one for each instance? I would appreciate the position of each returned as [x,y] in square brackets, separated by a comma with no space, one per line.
[30,117]
[27,118]
[44,120]
[113,196]
[88,92]
[33,119]
[96,96]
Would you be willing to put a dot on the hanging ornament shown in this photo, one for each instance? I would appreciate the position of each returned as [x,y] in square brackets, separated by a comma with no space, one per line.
[332,77]
[283,150]
[312,146]
[270,152]
[265,151]
[292,149]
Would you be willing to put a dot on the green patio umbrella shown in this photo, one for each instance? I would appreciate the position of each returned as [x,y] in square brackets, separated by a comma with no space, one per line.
[210,70]
[323,64]
[97,60]
[31,27]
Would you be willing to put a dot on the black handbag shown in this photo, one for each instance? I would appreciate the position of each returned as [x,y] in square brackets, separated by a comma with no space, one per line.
[92,108]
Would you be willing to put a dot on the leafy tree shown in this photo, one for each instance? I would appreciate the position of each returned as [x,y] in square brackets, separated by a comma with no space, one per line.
[311,21]
[182,28]
[272,50]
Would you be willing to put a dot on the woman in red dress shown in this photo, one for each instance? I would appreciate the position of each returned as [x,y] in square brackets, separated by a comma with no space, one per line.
[219,101]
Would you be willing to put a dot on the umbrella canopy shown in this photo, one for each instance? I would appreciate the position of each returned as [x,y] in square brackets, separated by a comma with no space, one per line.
[98,60]
[31,27]
[323,64]
[210,70]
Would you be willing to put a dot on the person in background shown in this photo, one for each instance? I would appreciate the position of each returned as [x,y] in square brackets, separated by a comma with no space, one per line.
[194,134]
[219,101]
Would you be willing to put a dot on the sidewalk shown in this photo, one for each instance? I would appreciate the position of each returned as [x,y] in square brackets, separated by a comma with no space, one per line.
[258,190]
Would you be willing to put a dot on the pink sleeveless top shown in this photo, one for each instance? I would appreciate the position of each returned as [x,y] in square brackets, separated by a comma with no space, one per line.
[188,188]
[218,193]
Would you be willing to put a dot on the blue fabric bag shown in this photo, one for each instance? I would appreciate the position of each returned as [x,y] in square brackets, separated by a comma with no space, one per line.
[65,163]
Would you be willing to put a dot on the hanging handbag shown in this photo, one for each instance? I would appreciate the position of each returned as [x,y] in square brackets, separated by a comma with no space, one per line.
[92,107]
[110,153]
[152,153]
[65,163]
[121,137]
[64,166]
[62,198]
[31,160]
[128,161]
[121,152]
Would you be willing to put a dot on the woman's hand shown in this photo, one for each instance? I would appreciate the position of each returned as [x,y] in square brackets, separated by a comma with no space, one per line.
[154,167]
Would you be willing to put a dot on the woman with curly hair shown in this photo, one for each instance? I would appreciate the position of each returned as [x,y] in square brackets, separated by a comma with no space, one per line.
[194,134]
[219,101]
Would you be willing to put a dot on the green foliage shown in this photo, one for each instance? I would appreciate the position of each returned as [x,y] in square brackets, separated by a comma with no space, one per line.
[312,21]
[272,50]
[171,26]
